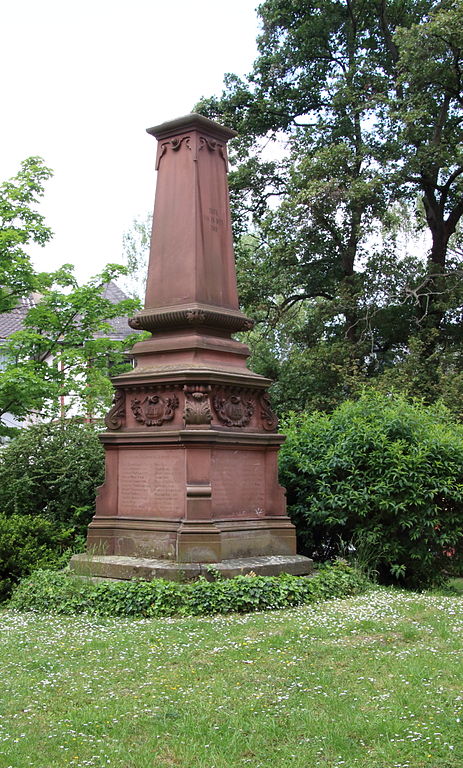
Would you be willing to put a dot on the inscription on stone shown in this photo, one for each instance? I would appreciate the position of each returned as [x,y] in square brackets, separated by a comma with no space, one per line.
[149,486]
[214,220]
[227,466]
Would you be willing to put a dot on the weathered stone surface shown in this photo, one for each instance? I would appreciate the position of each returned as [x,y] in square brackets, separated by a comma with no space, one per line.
[127,568]
[271,565]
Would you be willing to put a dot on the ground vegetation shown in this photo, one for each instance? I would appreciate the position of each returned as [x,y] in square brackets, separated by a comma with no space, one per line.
[368,681]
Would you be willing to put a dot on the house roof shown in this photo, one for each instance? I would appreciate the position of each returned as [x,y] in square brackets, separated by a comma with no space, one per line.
[119,327]
[13,321]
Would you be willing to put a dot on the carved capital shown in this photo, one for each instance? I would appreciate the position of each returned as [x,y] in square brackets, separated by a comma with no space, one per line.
[197,404]
[269,419]
[233,410]
[116,415]
[154,410]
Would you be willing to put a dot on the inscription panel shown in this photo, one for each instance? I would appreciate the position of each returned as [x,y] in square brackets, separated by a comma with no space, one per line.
[214,220]
[152,484]
[238,484]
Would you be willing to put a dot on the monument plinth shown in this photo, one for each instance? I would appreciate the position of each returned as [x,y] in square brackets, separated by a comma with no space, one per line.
[191,442]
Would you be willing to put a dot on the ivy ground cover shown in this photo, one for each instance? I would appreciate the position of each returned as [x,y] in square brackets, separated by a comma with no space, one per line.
[374,681]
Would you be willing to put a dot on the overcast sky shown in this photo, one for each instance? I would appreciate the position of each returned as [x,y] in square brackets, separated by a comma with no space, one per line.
[81,82]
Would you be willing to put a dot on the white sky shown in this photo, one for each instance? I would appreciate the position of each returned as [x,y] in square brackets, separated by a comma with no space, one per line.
[81,82]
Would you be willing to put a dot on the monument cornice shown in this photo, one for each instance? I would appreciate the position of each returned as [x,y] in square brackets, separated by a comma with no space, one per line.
[139,438]
[191,122]
[178,374]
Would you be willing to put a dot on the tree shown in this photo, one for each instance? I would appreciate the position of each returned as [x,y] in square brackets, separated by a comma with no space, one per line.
[20,225]
[135,246]
[428,124]
[336,87]
[64,349]
[429,116]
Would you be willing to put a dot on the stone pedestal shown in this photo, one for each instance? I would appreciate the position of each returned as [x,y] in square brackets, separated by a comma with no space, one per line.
[191,446]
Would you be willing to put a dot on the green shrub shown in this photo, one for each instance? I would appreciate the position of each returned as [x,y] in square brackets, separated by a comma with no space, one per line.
[381,475]
[49,592]
[52,470]
[48,478]
[27,543]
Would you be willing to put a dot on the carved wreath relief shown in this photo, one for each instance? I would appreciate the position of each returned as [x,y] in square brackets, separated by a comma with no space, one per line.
[154,410]
[234,410]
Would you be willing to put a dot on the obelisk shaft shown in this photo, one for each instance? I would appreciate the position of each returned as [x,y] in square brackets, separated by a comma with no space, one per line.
[191,256]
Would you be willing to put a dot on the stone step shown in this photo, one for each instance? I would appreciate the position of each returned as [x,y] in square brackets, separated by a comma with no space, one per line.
[122,568]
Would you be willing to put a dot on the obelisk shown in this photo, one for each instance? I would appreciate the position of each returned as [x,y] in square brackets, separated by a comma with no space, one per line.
[191,443]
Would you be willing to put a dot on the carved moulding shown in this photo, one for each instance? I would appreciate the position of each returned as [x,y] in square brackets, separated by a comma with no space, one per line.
[175,144]
[269,419]
[185,317]
[234,409]
[116,415]
[197,404]
[195,316]
[213,146]
[154,410]
[202,142]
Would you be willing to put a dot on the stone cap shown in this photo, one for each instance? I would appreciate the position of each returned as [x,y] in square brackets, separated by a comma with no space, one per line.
[191,122]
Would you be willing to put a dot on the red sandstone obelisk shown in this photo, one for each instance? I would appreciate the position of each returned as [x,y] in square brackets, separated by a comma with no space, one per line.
[191,447]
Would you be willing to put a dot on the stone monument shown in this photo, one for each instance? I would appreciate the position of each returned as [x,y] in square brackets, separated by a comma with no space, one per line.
[191,443]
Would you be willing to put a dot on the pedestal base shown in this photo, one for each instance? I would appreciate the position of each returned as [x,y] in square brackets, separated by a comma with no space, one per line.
[127,568]
[191,496]
[191,541]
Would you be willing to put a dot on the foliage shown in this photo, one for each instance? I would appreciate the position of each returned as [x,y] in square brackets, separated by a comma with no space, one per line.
[372,681]
[20,225]
[427,116]
[48,478]
[359,107]
[60,593]
[28,543]
[64,349]
[383,472]
[52,470]
[135,244]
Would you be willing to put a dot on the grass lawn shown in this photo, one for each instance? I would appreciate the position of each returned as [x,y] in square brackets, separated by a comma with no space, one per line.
[371,682]
[457,585]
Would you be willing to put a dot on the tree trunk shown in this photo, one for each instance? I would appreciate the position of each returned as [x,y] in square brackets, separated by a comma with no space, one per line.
[348,286]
